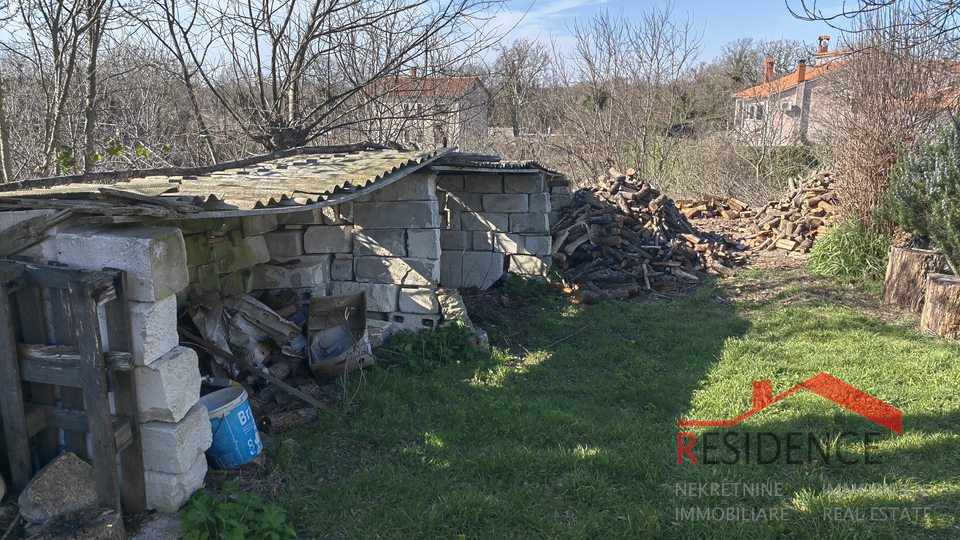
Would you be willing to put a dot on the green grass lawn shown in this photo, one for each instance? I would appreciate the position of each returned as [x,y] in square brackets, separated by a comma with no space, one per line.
[577,437]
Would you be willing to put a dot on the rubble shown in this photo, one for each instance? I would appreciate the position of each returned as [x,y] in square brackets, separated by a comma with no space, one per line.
[64,485]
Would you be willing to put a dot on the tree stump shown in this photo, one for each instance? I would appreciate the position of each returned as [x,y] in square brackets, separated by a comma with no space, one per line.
[906,277]
[94,524]
[941,310]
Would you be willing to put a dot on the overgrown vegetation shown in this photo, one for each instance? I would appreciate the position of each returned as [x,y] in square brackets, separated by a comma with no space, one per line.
[576,437]
[238,516]
[427,349]
[850,251]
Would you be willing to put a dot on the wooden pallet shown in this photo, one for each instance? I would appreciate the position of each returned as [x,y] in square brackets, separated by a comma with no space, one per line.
[51,338]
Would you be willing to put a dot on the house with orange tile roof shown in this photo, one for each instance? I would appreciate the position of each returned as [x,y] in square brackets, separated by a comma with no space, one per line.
[781,112]
[422,112]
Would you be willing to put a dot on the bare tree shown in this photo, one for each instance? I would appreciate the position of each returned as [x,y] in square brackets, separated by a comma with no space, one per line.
[519,72]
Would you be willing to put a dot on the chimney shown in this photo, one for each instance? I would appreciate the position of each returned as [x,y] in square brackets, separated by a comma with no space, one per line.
[413,73]
[768,70]
[824,44]
[762,394]
[801,70]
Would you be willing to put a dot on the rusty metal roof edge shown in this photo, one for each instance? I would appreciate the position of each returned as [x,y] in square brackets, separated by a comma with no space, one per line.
[334,199]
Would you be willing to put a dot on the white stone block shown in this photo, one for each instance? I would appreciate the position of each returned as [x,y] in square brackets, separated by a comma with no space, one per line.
[459,202]
[169,387]
[451,269]
[167,492]
[415,187]
[539,245]
[153,326]
[481,269]
[507,243]
[499,202]
[328,239]
[529,265]
[540,202]
[260,224]
[380,242]
[380,296]
[485,221]
[483,183]
[450,183]
[396,270]
[307,273]
[331,215]
[455,240]
[285,243]
[525,183]
[303,217]
[258,247]
[397,215]
[418,301]
[154,257]
[341,270]
[174,447]
[529,223]
[423,243]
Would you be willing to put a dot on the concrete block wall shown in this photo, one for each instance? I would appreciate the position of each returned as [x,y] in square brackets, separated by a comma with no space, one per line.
[176,430]
[494,223]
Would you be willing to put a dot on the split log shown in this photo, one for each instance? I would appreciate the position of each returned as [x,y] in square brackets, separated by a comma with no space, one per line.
[277,422]
[906,277]
[941,308]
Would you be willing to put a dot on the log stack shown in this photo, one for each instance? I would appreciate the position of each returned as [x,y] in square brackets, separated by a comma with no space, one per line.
[796,221]
[623,237]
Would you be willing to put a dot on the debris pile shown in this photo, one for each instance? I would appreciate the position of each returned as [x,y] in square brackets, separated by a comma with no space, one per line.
[795,221]
[624,236]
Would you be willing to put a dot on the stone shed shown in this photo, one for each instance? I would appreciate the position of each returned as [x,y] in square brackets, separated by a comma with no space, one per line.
[397,225]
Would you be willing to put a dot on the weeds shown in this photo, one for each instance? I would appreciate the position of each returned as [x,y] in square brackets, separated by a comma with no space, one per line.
[240,516]
[849,251]
[427,349]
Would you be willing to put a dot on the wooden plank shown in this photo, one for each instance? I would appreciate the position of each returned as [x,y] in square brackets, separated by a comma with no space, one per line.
[64,333]
[29,232]
[95,399]
[130,446]
[11,395]
[46,416]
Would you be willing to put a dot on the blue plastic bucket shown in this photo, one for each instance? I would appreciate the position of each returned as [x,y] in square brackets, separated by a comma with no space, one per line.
[235,436]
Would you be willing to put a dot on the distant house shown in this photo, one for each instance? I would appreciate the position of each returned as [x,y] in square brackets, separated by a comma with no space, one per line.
[422,112]
[781,112]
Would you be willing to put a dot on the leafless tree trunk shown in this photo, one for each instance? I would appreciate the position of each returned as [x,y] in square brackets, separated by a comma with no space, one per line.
[6,163]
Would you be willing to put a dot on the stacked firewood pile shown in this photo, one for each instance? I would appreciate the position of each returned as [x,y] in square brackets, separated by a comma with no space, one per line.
[711,206]
[795,221]
[623,236]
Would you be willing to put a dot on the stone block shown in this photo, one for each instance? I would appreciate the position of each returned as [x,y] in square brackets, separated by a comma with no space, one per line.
[155,258]
[169,387]
[413,321]
[498,202]
[346,211]
[523,183]
[258,248]
[285,243]
[450,183]
[485,221]
[418,301]
[303,217]
[380,242]
[539,202]
[451,269]
[341,270]
[539,245]
[463,201]
[239,253]
[198,250]
[174,447]
[455,240]
[167,492]
[483,241]
[397,215]
[507,243]
[259,224]
[529,223]
[331,215]
[64,485]
[153,328]
[529,265]
[483,183]
[306,273]
[380,297]
[481,269]
[208,278]
[553,218]
[396,270]
[239,282]
[559,200]
[415,187]
[328,239]
[423,243]
[451,220]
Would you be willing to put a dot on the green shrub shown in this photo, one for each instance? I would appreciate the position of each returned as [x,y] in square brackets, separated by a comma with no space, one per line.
[240,516]
[426,349]
[517,285]
[849,251]
[924,194]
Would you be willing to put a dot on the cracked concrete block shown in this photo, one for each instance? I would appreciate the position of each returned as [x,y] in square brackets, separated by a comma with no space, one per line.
[482,241]
[341,270]
[397,215]
[395,270]
[306,273]
[483,183]
[174,447]
[153,326]
[328,239]
[380,297]
[415,187]
[285,243]
[529,265]
[169,387]
[523,183]
[418,301]
[451,269]
[481,268]
[505,203]
[259,224]
[167,492]
[529,223]
[380,242]
[455,240]
[485,221]
[423,243]
[539,245]
[540,203]
[155,258]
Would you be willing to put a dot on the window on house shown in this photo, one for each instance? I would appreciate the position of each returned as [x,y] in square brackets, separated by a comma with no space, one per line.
[759,112]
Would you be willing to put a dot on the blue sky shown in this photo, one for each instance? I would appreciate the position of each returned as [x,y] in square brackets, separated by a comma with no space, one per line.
[719,21]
